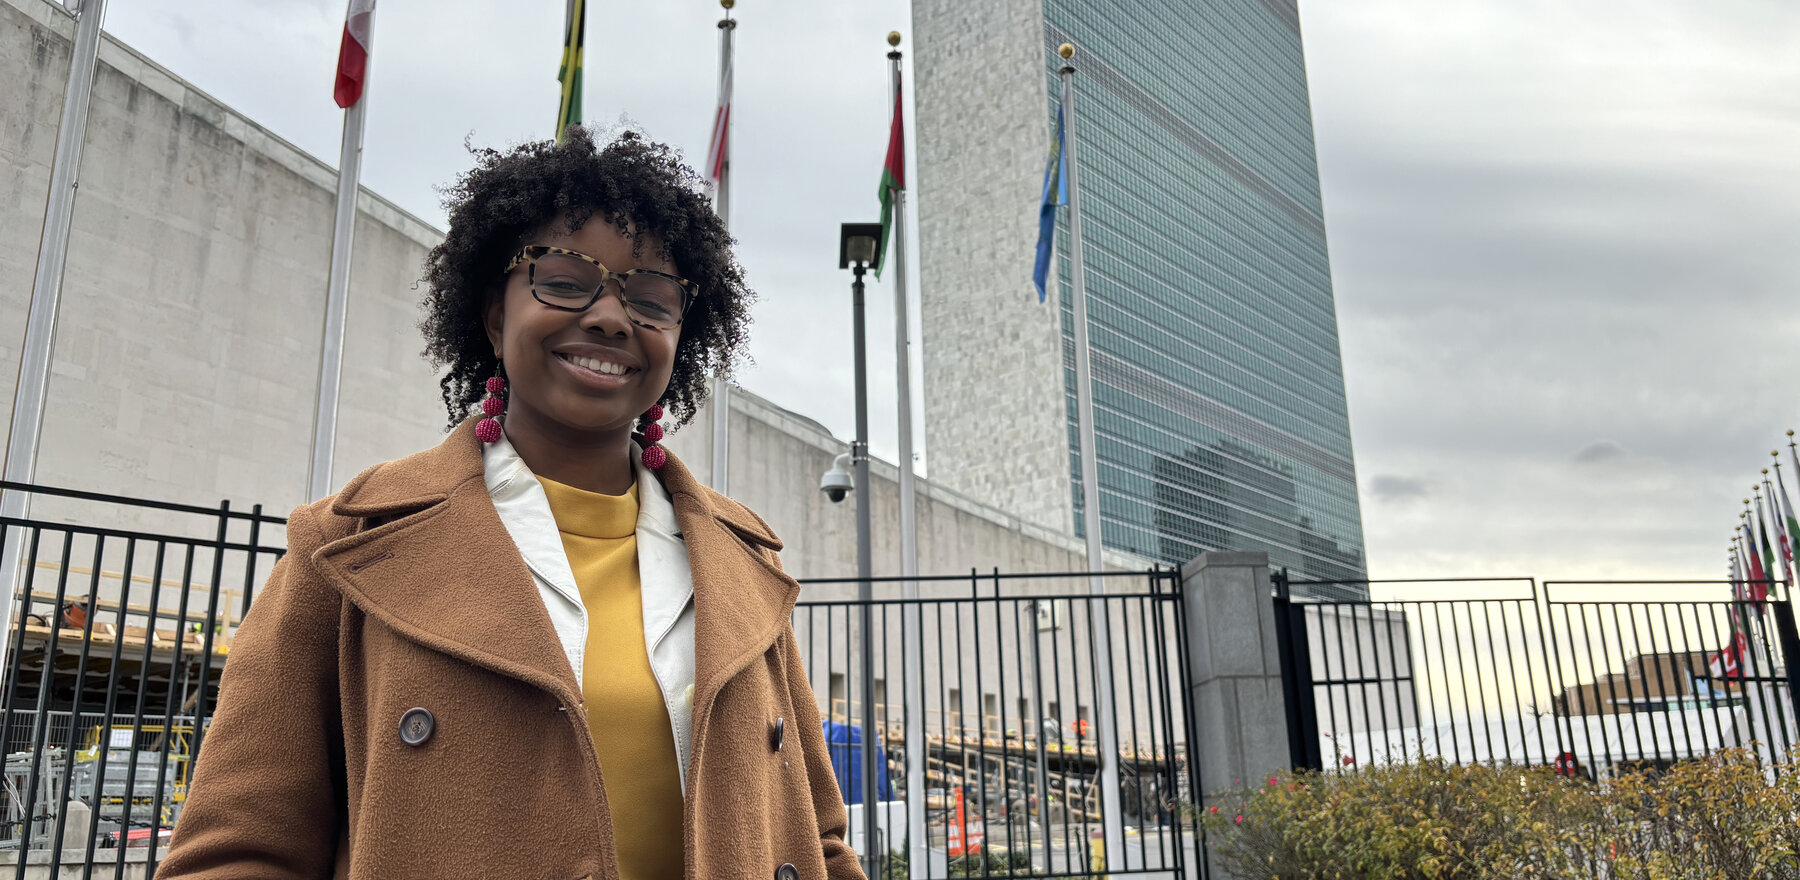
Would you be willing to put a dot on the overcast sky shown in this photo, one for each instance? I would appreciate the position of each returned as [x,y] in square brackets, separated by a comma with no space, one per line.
[1564,236]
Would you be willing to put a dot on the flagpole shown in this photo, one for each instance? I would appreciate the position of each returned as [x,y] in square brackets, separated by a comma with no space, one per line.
[1784,710]
[568,103]
[1789,526]
[1787,574]
[909,530]
[1762,530]
[1737,595]
[721,390]
[1734,654]
[1105,717]
[1770,556]
[1752,612]
[32,389]
[1794,455]
[1732,614]
[343,230]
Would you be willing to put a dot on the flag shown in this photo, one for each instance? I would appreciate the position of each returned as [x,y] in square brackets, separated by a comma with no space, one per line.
[1791,533]
[1768,547]
[353,53]
[1056,192]
[568,110]
[1758,578]
[718,146]
[893,177]
[1729,662]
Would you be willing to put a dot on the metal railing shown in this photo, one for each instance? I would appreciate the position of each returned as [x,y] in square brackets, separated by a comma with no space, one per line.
[1009,698]
[118,633]
[1591,677]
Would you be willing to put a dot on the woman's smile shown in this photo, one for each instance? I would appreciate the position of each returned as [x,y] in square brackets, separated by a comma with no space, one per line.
[605,370]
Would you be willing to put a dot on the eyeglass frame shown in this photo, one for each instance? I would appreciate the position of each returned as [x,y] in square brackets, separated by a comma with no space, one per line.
[531,253]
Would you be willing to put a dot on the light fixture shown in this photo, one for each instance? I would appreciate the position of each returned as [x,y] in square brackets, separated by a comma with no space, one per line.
[858,243]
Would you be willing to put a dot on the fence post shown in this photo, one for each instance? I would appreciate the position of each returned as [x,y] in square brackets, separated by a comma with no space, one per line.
[1790,650]
[1294,645]
[1234,670]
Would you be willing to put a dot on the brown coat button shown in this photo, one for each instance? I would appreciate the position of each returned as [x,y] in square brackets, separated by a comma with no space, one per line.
[416,726]
[775,739]
[787,872]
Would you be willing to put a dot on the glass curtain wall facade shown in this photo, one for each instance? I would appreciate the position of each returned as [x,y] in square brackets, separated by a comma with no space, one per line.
[1218,385]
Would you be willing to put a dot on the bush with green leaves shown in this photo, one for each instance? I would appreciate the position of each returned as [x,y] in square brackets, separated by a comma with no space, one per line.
[996,862]
[1719,818]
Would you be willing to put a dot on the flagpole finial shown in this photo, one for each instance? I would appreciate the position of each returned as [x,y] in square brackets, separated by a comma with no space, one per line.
[1765,472]
[1067,51]
[894,38]
[727,4]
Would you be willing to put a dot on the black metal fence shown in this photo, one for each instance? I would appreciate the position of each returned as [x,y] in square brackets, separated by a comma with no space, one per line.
[1005,694]
[120,631]
[1591,677]
[118,635]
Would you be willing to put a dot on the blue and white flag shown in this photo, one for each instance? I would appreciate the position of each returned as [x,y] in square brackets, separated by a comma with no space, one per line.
[1056,192]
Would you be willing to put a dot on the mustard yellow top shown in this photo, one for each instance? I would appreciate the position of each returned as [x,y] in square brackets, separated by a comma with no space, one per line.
[625,709]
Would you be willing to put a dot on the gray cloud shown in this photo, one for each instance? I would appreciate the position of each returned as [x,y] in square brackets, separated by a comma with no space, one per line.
[1388,487]
[1600,452]
[1550,223]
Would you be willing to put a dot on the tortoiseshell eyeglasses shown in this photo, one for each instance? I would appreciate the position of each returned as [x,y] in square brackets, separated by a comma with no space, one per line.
[573,281]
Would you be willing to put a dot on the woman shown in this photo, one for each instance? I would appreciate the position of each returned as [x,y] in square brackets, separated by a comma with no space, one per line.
[540,649]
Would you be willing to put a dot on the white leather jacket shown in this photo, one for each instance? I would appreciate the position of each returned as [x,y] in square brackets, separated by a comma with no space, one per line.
[668,582]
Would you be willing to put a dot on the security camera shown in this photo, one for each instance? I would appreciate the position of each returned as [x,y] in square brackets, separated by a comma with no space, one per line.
[836,483]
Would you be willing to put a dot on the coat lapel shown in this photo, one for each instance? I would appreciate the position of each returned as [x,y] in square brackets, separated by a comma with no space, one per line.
[445,573]
[743,601]
[439,567]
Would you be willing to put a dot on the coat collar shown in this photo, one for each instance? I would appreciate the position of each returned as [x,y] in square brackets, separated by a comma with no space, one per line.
[434,561]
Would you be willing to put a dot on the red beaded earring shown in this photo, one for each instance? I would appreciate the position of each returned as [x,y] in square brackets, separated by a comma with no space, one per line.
[488,429]
[654,456]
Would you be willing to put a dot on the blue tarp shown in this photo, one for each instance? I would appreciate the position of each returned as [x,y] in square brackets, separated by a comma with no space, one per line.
[845,743]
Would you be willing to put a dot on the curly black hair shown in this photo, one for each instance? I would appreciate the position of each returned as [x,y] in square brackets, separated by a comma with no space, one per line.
[630,182]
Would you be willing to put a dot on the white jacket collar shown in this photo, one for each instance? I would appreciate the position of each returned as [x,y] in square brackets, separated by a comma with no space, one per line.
[663,570]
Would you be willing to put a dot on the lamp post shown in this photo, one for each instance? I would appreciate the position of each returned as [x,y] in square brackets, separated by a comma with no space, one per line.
[858,243]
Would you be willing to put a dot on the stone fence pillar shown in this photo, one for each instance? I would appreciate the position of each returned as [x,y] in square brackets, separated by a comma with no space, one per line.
[1234,670]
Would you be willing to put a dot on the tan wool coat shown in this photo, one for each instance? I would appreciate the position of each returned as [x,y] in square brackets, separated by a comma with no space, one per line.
[405,592]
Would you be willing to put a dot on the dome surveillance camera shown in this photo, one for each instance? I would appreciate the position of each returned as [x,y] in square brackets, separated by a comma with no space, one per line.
[836,483]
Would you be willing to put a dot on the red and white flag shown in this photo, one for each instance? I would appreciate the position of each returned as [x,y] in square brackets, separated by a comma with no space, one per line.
[353,54]
[718,149]
[1729,662]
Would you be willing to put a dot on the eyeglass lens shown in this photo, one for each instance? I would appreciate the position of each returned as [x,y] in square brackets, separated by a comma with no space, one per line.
[570,282]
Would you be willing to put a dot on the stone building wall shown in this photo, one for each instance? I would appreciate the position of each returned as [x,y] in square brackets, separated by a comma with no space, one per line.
[992,352]
[187,352]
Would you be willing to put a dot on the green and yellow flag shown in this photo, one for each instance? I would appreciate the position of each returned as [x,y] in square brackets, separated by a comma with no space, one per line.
[568,111]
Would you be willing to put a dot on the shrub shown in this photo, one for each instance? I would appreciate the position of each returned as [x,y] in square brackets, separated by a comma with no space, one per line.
[1716,817]
[992,862]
